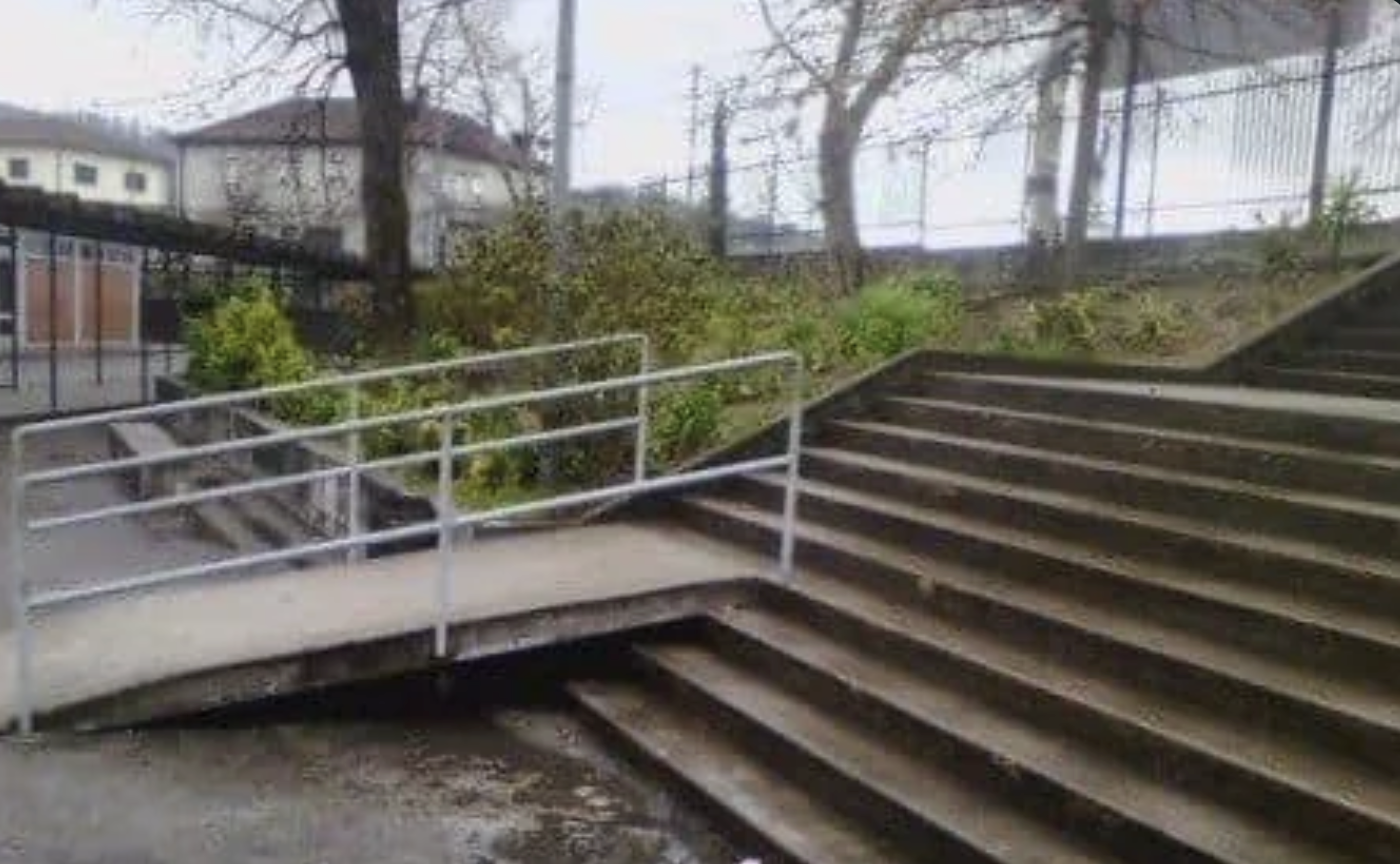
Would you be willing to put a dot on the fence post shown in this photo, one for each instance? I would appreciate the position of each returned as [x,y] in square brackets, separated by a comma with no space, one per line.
[352,505]
[1326,106]
[787,547]
[639,471]
[447,523]
[24,696]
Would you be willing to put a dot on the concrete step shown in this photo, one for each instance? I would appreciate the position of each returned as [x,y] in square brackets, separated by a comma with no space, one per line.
[1355,718]
[1070,779]
[1362,337]
[267,517]
[1285,778]
[1233,412]
[1377,312]
[1284,377]
[1325,359]
[769,811]
[1263,462]
[1224,552]
[1339,522]
[1352,643]
[919,795]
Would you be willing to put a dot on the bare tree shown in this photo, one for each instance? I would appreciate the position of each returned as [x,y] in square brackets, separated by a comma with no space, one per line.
[981,61]
[309,45]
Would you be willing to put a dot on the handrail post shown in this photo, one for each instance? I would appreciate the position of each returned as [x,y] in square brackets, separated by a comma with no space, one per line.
[787,547]
[447,522]
[352,505]
[639,471]
[19,592]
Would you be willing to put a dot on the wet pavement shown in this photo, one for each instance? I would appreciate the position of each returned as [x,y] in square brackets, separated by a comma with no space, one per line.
[516,786]
[94,553]
[372,783]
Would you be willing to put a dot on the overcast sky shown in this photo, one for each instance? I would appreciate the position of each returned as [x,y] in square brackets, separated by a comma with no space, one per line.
[634,59]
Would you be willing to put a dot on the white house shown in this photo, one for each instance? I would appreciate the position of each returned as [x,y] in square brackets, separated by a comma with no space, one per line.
[78,300]
[64,155]
[292,169]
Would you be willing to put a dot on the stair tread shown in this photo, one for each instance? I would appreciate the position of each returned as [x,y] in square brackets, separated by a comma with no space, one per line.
[1370,704]
[1371,624]
[1188,478]
[1262,445]
[978,817]
[1280,366]
[1378,568]
[1319,773]
[1070,763]
[794,821]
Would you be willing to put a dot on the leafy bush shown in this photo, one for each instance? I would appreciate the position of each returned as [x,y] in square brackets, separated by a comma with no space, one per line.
[686,423]
[247,341]
[897,315]
[1073,323]
[1154,324]
[1345,211]
[1282,256]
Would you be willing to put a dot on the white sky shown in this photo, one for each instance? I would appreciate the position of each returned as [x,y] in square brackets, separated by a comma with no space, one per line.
[634,61]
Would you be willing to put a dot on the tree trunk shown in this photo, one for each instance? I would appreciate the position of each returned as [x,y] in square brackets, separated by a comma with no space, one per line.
[374,60]
[1098,33]
[837,154]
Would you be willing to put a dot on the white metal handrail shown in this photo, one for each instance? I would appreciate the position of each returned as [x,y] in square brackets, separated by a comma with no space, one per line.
[448,523]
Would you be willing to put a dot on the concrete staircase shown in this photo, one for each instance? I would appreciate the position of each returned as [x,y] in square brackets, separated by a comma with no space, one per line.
[1051,620]
[1357,355]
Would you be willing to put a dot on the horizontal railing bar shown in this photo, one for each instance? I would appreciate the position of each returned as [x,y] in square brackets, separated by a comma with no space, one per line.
[73,595]
[334,382]
[659,484]
[213,568]
[309,433]
[273,483]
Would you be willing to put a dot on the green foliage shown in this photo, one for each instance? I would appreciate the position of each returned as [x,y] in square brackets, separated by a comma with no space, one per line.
[1345,211]
[899,314]
[1154,324]
[1282,251]
[686,423]
[1074,323]
[246,342]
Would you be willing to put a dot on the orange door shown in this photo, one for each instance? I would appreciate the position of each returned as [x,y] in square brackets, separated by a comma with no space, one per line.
[37,311]
[118,303]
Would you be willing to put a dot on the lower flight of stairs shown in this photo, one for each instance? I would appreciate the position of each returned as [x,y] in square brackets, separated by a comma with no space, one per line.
[1049,621]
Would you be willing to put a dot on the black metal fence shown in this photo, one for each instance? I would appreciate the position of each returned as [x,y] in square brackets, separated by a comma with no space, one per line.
[94,298]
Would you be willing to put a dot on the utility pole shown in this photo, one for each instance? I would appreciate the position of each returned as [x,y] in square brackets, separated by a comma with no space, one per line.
[564,60]
[693,133]
[719,177]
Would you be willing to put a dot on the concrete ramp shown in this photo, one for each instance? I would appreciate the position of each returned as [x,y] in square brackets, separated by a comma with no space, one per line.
[209,644]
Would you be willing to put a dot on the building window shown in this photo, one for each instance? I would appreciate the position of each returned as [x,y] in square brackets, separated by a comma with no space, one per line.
[18,169]
[135,181]
[84,174]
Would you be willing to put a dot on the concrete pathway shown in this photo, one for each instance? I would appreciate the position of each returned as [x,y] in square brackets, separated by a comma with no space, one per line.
[507,593]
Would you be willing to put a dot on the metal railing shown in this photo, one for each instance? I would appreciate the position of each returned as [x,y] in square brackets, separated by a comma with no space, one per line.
[449,521]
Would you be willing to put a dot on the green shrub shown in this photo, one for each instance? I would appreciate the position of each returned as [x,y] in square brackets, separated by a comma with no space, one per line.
[1073,323]
[1281,249]
[686,423]
[1155,324]
[1345,211]
[899,314]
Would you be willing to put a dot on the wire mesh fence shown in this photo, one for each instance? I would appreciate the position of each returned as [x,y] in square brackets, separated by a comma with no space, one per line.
[1235,149]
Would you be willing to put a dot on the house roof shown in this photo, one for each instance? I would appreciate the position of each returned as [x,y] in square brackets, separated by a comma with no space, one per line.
[25,128]
[337,121]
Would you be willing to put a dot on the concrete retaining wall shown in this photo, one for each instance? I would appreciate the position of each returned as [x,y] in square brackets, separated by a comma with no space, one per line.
[323,505]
